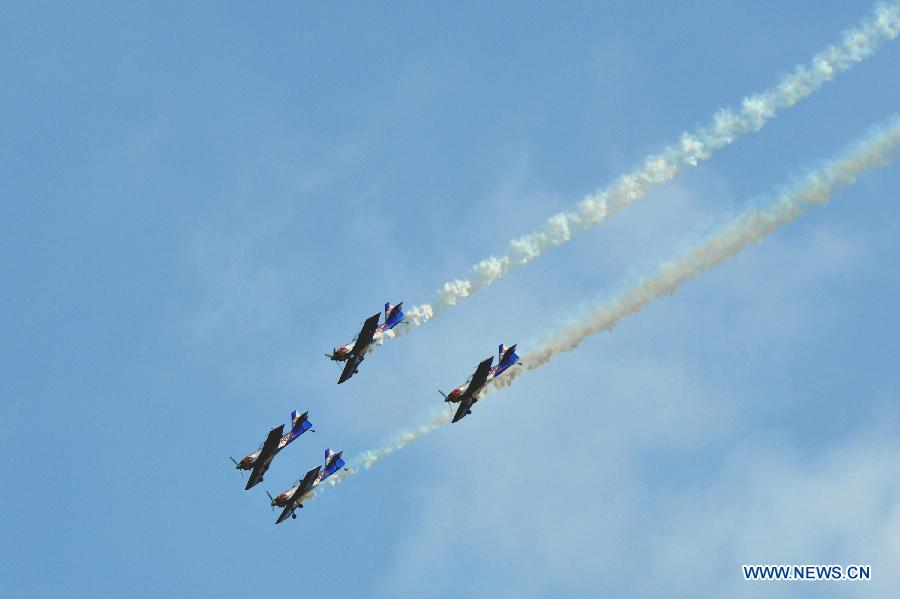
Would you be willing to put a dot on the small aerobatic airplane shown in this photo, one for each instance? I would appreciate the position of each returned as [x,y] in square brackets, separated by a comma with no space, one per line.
[259,460]
[354,352]
[293,498]
[467,393]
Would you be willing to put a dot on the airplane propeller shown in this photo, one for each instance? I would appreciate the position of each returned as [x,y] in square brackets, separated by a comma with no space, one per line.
[271,500]
[237,466]
[333,359]
[444,395]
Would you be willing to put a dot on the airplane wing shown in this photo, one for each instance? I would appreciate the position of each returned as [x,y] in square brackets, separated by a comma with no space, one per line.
[480,376]
[302,489]
[265,456]
[475,385]
[366,334]
[465,405]
[350,367]
[357,354]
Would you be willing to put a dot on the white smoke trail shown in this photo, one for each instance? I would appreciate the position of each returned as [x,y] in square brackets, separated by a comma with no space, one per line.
[724,128]
[436,419]
[752,226]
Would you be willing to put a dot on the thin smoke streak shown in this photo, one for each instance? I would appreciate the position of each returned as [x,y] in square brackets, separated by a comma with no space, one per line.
[725,127]
[752,226]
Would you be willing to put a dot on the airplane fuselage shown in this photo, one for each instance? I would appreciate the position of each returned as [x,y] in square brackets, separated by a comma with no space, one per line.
[393,315]
[342,353]
[283,498]
[456,394]
[249,461]
[332,465]
[453,396]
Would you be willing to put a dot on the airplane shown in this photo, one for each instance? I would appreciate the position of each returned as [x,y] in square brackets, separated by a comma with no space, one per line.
[467,393]
[258,461]
[354,352]
[293,498]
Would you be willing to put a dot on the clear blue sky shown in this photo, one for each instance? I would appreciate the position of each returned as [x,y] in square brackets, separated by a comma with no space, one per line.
[198,202]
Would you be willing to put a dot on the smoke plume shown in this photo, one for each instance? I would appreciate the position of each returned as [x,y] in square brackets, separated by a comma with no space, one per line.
[752,226]
[726,126]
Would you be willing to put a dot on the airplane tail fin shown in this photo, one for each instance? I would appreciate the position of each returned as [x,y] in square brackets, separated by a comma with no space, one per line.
[300,422]
[508,355]
[393,315]
[333,463]
[338,464]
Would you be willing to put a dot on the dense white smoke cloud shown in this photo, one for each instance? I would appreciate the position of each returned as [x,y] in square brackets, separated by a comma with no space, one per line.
[725,127]
[752,226]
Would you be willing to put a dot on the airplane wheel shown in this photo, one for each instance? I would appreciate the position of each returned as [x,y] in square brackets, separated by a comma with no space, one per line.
[294,516]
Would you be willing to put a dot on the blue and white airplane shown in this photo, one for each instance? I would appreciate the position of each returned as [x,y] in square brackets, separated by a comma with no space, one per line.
[259,460]
[293,498]
[354,352]
[467,393]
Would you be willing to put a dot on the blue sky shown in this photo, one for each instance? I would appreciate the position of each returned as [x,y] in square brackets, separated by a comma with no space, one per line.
[198,202]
